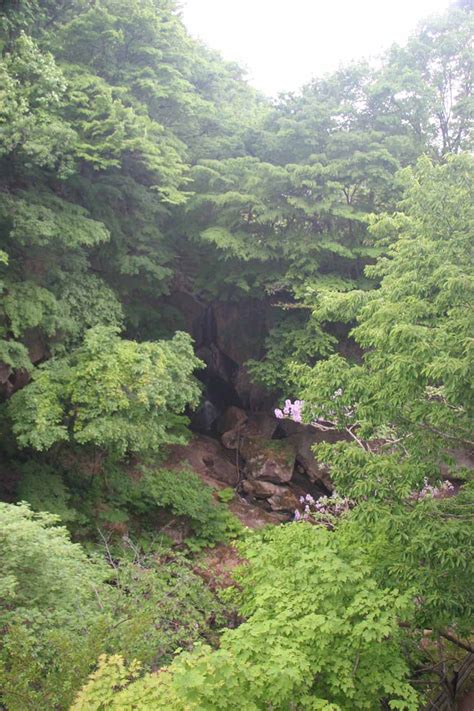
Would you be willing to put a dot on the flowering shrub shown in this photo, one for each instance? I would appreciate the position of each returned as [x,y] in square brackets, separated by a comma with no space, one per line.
[327,509]
[324,510]
[293,410]
[436,492]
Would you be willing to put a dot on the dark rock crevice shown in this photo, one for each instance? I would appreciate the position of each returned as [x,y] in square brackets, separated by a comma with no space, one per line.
[227,334]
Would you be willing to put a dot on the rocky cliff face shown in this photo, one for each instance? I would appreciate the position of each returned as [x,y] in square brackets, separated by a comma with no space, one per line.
[268,462]
[238,442]
[226,334]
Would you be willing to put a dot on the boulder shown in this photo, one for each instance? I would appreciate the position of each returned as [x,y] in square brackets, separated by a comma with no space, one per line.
[287,427]
[302,438]
[37,348]
[302,443]
[260,424]
[301,485]
[12,380]
[17,380]
[268,460]
[262,489]
[257,425]
[252,395]
[205,417]
[233,418]
[285,501]
[232,439]
[207,458]
[218,365]
[240,328]
[183,310]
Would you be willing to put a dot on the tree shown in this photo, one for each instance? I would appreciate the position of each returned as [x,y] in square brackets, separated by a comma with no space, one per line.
[415,329]
[427,85]
[409,403]
[48,601]
[44,574]
[115,394]
[32,89]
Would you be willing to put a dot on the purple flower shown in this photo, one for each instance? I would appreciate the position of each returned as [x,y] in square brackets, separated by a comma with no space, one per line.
[292,410]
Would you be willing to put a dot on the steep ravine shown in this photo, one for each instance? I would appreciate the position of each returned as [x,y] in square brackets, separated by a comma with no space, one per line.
[237,440]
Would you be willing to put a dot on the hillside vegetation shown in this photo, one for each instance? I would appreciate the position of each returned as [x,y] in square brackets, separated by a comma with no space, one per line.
[144,181]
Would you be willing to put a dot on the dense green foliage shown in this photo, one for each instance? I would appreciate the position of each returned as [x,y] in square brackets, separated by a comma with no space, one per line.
[60,609]
[416,329]
[119,395]
[408,553]
[413,391]
[42,572]
[323,637]
[136,164]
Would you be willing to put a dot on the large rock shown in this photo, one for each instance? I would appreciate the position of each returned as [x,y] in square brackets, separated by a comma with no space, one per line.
[12,380]
[37,348]
[303,438]
[252,395]
[207,458]
[16,380]
[301,485]
[204,418]
[285,501]
[302,443]
[287,428]
[260,424]
[218,365]
[262,489]
[240,328]
[254,516]
[233,418]
[280,498]
[268,460]
[182,310]
[257,425]
[232,439]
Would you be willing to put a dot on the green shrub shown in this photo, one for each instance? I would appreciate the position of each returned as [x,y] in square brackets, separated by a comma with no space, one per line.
[320,633]
[43,488]
[59,610]
[185,495]
[226,495]
[44,577]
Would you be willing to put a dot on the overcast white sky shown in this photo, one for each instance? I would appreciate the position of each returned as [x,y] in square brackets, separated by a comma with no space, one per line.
[284,43]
